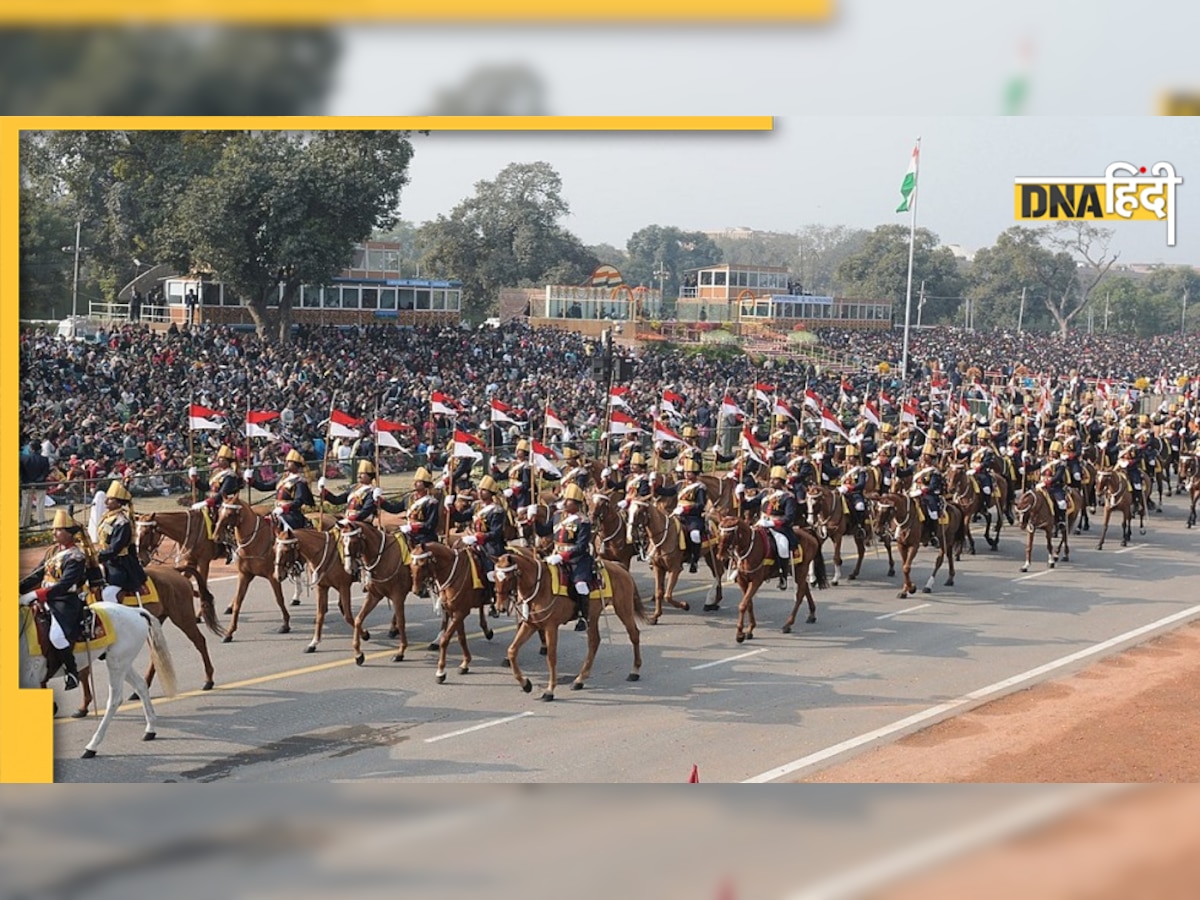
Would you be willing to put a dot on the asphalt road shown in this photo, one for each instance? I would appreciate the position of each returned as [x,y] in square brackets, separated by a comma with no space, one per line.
[871,669]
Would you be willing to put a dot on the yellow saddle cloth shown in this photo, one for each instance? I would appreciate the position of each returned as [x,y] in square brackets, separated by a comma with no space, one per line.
[943,519]
[405,551]
[707,539]
[558,582]
[103,636]
[148,594]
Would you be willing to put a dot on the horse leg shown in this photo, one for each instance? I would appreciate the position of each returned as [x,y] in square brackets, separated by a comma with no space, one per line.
[660,578]
[1104,527]
[187,625]
[746,610]
[672,578]
[360,633]
[465,666]
[595,608]
[85,679]
[907,555]
[837,560]
[950,562]
[861,546]
[236,607]
[944,553]
[1126,527]
[524,632]
[552,658]
[400,625]
[1028,547]
[625,612]
[887,544]
[1051,557]
[967,516]
[483,623]
[444,643]
[277,588]
[322,608]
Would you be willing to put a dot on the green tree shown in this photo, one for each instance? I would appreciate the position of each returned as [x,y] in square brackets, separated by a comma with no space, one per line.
[45,271]
[670,248]
[407,234]
[998,275]
[284,209]
[879,271]
[608,255]
[507,235]
[1084,248]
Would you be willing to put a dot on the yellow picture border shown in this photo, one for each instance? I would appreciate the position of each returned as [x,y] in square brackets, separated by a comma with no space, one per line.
[323,12]
[26,720]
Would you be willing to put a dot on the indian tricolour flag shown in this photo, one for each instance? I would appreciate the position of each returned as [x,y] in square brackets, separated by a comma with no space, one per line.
[908,188]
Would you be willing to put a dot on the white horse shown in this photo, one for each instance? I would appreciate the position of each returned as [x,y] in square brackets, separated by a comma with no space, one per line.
[132,627]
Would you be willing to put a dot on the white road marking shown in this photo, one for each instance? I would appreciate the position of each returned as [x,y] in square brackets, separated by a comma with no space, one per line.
[973,697]
[709,665]
[874,874]
[1034,575]
[479,727]
[901,612]
[1126,549]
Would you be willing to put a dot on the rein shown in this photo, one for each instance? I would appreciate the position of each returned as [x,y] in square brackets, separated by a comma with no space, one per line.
[383,545]
[735,551]
[525,609]
[441,585]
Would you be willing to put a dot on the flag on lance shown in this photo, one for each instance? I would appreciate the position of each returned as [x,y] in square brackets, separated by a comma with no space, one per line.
[829,422]
[871,414]
[463,444]
[663,433]
[730,408]
[910,411]
[964,408]
[201,418]
[812,400]
[553,420]
[623,423]
[542,456]
[382,429]
[886,399]
[344,426]
[753,446]
[763,391]
[782,409]
[616,396]
[501,411]
[671,402]
[256,422]
[441,405]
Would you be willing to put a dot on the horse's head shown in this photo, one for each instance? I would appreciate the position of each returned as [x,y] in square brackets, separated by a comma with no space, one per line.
[507,574]
[286,553]
[816,500]
[601,508]
[424,563]
[146,538]
[1024,508]
[637,519]
[955,473]
[353,542]
[883,511]
[227,520]
[730,528]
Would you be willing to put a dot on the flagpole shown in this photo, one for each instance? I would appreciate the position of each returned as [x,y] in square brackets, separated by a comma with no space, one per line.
[375,441]
[192,449]
[324,460]
[912,232]
[249,455]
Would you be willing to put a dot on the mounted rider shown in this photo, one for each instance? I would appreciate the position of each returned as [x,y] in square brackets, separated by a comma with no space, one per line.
[854,486]
[778,512]
[639,484]
[929,484]
[486,519]
[363,501]
[424,516]
[114,545]
[224,483]
[690,500]
[1130,465]
[519,492]
[572,533]
[292,493]
[1053,478]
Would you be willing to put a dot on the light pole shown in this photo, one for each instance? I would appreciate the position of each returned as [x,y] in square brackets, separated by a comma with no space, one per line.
[660,273]
[75,283]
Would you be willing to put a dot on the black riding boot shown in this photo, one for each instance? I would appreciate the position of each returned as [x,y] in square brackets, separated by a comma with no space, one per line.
[693,558]
[70,671]
[581,610]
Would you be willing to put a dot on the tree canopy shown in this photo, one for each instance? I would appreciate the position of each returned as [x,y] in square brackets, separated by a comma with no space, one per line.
[879,271]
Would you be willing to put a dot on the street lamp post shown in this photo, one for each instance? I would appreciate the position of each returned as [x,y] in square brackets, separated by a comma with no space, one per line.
[661,273]
[75,283]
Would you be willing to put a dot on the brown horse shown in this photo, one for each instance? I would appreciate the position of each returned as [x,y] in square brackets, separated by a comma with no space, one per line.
[1035,510]
[833,522]
[451,571]
[753,550]
[524,581]
[1189,474]
[385,563]
[964,489]
[720,493]
[661,534]
[610,528]
[255,557]
[903,515]
[176,601]
[187,529]
[1112,487]
[322,551]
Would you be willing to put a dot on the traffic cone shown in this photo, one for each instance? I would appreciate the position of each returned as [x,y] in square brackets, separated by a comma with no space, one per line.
[694,778]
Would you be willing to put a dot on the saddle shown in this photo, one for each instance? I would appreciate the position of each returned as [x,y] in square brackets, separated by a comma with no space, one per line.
[95,633]
[561,584]
[147,594]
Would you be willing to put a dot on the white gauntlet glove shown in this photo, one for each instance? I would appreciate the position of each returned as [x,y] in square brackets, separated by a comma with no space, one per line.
[553,559]
[470,540]
[192,473]
[321,483]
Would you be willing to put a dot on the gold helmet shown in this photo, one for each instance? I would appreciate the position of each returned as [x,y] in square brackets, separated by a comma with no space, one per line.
[570,453]
[983,434]
[573,492]
[932,435]
[887,428]
[851,451]
[523,444]
[366,467]
[778,472]
[1144,421]
[118,491]
[224,452]
[929,449]
[488,483]
[781,419]
[294,456]
[689,431]
[422,476]
[798,442]
[690,465]
[1055,447]
[62,519]
[1018,421]
[636,459]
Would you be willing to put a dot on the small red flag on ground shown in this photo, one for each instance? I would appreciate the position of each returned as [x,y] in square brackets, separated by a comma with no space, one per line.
[694,778]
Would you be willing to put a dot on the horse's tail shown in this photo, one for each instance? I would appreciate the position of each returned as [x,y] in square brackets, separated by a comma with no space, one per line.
[639,608]
[818,567]
[160,655]
[208,609]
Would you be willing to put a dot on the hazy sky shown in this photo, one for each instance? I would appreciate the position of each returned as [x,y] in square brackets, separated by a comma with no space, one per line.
[831,171]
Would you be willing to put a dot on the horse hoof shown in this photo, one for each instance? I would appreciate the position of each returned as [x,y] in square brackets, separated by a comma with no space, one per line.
[891,573]
[463,670]
[283,629]
[88,754]
[296,602]
[547,696]
[227,639]
[542,651]
[311,648]
[903,595]
[360,659]
[434,645]
[577,685]
[926,590]
[1052,564]
[399,657]
[505,662]
[489,634]
[950,582]
[208,686]
[654,620]
[811,620]
[229,610]
[711,607]
[79,713]
[787,629]
[441,678]
[527,687]
[741,638]
[852,578]
[633,676]
[393,633]
[685,606]
[149,735]
[1025,568]
[366,635]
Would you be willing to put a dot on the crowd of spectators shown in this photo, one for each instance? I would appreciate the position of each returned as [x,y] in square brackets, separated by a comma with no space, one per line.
[120,406]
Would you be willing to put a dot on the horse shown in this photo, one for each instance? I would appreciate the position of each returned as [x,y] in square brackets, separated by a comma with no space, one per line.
[1035,510]
[322,551]
[610,526]
[909,532]
[255,557]
[540,609]
[661,534]
[720,493]
[187,529]
[966,492]
[833,522]
[451,571]
[1114,488]
[387,574]
[1189,472]
[131,627]
[750,547]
